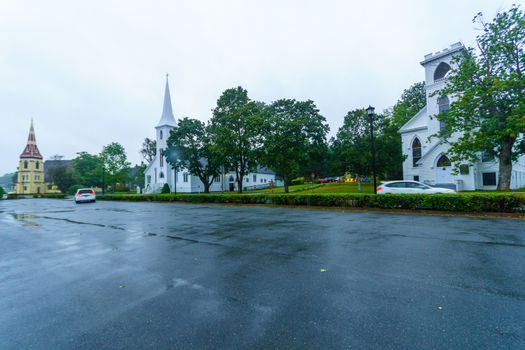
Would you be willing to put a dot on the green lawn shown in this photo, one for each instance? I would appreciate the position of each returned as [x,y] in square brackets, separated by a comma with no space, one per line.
[294,188]
[335,187]
[343,187]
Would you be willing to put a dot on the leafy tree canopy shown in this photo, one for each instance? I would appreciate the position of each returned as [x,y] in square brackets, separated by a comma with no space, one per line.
[293,132]
[189,146]
[235,131]
[87,169]
[149,149]
[115,163]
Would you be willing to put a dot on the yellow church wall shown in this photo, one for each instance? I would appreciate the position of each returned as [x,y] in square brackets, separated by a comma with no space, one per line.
[30,176]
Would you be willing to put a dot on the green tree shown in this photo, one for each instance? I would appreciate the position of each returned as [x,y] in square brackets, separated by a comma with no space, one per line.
[293,133]
[488,87]
[190,146]
[389,145]
[149,149]
[2,192]
[351,147]
[114,160]
[61,175]
[136,176]
[235,131]
[412,100]
[87,169]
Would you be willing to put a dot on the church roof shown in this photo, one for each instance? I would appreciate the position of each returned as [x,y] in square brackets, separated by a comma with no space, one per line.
[31,149]
[167,117]
[415,123]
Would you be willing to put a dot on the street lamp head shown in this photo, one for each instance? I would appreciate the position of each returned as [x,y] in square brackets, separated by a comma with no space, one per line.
[370,111]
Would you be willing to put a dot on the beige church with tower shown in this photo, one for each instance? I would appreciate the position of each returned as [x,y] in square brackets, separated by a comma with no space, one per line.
[30,168]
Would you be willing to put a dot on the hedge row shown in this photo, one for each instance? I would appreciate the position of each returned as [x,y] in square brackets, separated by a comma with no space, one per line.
[493,202]
[51,195]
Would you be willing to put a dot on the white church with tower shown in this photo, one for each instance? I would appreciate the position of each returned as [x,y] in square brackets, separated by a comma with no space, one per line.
[427,160]
[159,172]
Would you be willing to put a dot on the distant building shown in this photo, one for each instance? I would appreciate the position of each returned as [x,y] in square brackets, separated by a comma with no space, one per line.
[30,168]
[159,172]
[427,159]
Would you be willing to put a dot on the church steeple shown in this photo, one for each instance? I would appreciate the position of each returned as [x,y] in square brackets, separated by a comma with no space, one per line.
[31,149]
[30,167]
[167,117]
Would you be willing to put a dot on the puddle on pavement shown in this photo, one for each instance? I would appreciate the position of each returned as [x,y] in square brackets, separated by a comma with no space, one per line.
[114,209]
[25,219]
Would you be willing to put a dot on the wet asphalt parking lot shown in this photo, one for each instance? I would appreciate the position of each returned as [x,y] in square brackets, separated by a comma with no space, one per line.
[116,275]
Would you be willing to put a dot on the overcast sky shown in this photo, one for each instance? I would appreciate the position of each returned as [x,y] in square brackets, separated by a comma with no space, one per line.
[92,72]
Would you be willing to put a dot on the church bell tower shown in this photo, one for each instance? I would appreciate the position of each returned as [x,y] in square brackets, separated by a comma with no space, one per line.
[30,168]
[163,128]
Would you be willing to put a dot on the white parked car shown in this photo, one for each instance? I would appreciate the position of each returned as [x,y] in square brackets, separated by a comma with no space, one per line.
[85,195]
[408,186]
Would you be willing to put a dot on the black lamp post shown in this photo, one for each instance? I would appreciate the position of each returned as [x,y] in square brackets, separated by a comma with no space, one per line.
[370,111]
[102,177]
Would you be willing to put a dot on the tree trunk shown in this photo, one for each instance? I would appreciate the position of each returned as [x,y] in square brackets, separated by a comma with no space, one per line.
[240,177]
[285,179]
[505,164]
[206,187]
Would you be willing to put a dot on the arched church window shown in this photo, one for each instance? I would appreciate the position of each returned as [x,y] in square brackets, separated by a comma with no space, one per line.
[443,105]
[26,164]
[161,175]
[148,179]
[161,134]
[416,151]
[443,161]
[37,165]
[441,71]
[231,179]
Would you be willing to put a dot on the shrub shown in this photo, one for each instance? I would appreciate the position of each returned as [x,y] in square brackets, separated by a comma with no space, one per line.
[499,202]
[121,188]
[297,181]
[165,188]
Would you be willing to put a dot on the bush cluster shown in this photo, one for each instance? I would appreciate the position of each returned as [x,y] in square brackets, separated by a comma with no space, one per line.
[165,189]
[51,195]
[493,202]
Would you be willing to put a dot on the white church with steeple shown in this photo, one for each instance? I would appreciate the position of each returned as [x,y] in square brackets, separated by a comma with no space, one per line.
[426,157]
[159,172]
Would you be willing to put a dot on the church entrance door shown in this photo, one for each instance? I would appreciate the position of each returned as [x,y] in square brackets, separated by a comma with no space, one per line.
[444,171]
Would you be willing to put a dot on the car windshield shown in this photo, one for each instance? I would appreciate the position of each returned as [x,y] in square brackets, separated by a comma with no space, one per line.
[84,191]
